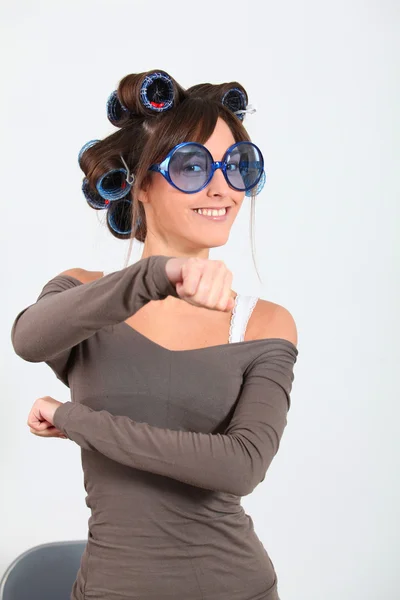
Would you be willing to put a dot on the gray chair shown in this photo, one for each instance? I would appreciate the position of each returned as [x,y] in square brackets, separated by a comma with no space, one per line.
[45,572]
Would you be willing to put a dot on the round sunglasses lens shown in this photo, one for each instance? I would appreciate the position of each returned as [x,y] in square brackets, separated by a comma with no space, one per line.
[244,166]
[189,167]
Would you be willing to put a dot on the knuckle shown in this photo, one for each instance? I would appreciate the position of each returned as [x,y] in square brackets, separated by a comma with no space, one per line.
[195,260]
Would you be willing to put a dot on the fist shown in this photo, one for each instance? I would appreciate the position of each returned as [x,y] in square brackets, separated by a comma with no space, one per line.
[202,282]
[41,418]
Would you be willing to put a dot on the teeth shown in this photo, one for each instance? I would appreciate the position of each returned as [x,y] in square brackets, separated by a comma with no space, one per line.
[210,212]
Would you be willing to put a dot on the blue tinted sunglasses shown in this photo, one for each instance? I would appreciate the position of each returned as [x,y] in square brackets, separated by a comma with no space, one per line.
[189,166]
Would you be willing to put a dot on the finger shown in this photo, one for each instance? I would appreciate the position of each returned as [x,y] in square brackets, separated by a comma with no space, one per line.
[44,433]
[35,417]
[51,432]
[212,286]
[40,425]
[222,288]
[226,302]
[191,273]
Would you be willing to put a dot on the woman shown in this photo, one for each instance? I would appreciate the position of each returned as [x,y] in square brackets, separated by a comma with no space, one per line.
[180,386]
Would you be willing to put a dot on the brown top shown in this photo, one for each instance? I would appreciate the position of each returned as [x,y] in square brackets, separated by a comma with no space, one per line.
[170,440]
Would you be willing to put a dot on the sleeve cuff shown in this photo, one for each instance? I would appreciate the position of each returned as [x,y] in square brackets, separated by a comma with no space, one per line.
[60,417]
[166,288]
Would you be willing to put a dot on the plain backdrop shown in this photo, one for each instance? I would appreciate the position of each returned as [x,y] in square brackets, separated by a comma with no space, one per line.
[324,78]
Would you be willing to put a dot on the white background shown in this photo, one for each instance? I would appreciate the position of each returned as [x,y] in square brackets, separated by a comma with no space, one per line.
[324,78]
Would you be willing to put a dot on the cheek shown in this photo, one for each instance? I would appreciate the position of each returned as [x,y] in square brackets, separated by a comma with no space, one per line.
[239,197]
[168,203]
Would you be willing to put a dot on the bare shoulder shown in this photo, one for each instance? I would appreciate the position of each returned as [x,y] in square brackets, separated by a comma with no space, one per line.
[274,321]
[83,275]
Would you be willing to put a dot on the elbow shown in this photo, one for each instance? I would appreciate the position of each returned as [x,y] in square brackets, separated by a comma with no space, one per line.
[250,480]
[246,485]
[240,486]
[249,470]
[19,341]
[24,353]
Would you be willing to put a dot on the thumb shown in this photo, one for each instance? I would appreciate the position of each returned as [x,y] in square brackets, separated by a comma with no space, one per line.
[42,425]
[173,268]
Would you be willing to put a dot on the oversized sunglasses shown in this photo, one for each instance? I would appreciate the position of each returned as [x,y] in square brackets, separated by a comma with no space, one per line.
[189,166]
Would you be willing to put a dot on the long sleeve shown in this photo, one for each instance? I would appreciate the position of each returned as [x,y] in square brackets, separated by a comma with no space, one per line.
[234,462]
[67,312]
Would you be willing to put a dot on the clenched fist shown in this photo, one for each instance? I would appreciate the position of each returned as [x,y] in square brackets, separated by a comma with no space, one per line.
[202,282]
[41,418]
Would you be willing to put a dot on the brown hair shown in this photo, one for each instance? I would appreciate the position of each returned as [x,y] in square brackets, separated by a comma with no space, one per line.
[145,137]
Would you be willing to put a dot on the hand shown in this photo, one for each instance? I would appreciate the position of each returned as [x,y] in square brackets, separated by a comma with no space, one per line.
[202,282]
[41,418]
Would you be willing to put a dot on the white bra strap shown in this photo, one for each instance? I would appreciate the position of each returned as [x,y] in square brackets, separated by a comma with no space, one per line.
[241,314]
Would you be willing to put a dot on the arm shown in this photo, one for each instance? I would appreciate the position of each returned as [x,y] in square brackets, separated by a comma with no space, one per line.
[234,462]
[67,313]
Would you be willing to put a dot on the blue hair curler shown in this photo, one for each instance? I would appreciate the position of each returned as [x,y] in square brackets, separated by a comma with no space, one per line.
[259,186]
[119,217]
[117,113]
[113,184]
[235,100]
[157,92]
[85,147]
[93,199]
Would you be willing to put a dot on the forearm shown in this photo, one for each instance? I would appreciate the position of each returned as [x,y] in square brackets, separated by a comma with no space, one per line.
[234,463]
[59,321]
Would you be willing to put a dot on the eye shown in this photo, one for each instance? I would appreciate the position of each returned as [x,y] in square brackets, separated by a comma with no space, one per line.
[232,166]
[192,168]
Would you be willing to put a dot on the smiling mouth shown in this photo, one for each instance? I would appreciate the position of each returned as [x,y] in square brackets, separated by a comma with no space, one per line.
[211,217]
[226,208]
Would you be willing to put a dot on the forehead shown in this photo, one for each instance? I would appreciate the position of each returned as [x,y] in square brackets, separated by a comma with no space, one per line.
[220,139]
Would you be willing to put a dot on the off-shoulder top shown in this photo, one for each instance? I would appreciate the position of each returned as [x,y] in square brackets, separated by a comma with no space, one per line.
[170,440]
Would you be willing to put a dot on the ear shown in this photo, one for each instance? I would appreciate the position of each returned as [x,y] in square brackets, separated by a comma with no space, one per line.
[143,193]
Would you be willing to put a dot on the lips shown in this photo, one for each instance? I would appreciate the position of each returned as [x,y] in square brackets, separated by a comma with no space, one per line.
[215,218]
[211,207]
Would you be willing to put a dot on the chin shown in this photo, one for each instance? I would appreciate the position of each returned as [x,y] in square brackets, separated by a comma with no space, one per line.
[212,241]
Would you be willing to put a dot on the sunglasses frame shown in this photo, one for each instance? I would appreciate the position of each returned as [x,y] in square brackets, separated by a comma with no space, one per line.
[163,166]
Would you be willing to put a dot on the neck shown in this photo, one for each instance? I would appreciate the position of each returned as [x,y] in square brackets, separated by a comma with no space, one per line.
[164,249]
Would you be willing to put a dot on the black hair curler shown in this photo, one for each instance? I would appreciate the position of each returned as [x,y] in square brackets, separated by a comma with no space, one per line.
[117,113]
[119,217]
[93,199]
[157,92]
[235,100]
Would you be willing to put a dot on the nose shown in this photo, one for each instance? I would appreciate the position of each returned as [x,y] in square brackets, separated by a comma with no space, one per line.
[218,184]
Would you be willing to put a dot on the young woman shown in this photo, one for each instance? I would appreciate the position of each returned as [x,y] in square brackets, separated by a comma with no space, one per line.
[180,386]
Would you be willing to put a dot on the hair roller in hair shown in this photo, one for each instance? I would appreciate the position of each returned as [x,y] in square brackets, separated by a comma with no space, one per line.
[259,186]
[117,113]
[93,199]
[119,216]
[235,99]
[113,184]
[157,92]
[84,148]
